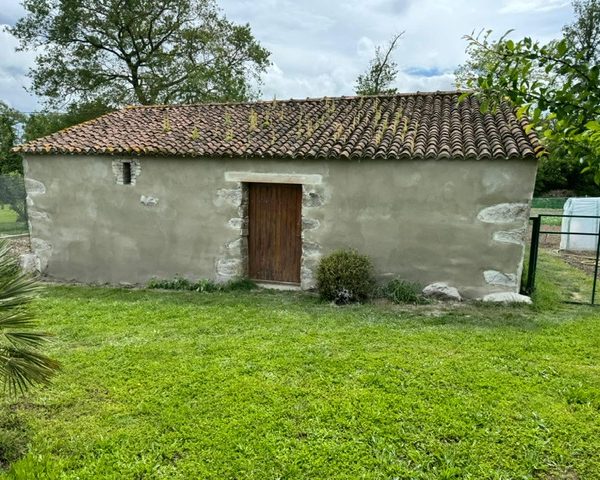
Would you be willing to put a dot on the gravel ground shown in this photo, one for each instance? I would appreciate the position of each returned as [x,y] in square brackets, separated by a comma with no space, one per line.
[19,245]
[585,261]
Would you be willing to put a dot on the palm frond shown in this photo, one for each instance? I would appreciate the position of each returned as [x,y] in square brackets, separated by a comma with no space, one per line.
[17,290]
[24,368]
[16,319]
[21,364]
[32,339]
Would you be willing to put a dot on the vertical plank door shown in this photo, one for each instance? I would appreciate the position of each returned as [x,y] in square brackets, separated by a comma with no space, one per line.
[274,232]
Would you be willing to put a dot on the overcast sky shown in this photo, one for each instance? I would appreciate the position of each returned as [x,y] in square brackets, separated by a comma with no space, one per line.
[319,46]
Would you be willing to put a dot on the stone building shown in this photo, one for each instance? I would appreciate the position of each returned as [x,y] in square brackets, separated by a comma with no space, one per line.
[426,185]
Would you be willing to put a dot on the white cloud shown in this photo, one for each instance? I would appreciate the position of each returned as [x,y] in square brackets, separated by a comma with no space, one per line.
[13,74]
[319,47]
[10,12]
[532,6]
[327,44]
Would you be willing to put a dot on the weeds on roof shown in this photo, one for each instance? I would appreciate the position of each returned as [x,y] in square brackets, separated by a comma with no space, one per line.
[253,120]
[404,129]
[384,125]
[267,120]
[329,106]
[377,117]
[310,129]
[396,122]
[166,124]
[339,131]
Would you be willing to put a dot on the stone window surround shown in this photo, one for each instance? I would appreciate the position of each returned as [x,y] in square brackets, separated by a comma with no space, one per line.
[311,252]
[117,169]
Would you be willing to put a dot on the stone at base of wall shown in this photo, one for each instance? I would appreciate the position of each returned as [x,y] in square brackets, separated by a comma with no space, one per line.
[442,291]
[30,263]
[507,297]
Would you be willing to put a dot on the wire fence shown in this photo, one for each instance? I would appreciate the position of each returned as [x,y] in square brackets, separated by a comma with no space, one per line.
[13,206]
[538,230]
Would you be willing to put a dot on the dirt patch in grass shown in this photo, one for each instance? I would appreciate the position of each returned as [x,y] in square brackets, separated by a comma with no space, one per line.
[585,261]
[564,475]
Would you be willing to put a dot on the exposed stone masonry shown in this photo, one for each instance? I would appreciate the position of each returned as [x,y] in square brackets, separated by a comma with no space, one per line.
[117,168]
[233,261]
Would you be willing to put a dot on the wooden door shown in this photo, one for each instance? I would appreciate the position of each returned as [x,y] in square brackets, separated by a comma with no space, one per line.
[274,232]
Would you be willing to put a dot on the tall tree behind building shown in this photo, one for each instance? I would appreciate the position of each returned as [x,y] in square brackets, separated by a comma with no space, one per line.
[557,85]
[139,51]
[382,71]
[9,121]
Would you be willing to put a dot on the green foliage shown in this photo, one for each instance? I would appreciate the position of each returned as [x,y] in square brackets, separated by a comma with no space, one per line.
[401,291]
[239,285]
[382,72]
[12,193]
[9,222]
[21,363]
[203,285]
[9,119]
[584,33]
[554,84]
[144,51]
[177,283]
[345,276]
[554,203]
[260,385]
[559,171]
[480,61]
[45,123]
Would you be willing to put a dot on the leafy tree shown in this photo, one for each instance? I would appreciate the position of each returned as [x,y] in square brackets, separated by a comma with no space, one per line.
[479,61]
[562,174]
[564,106]
[9,161]
[44,123]
[12,192]
[555,84]
[381,73]
[120,52]
[21,363]
[584,33]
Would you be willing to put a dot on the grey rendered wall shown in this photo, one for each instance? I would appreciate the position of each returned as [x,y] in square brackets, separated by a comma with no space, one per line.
[461,222]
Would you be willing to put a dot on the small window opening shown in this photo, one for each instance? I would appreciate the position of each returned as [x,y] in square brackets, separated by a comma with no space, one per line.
[126,173]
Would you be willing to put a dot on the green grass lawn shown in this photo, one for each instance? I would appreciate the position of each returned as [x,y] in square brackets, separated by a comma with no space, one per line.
[9,224]
[549,202]
[549,211]
[263,385]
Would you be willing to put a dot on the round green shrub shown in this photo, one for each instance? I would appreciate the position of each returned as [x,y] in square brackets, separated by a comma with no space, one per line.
[345,276]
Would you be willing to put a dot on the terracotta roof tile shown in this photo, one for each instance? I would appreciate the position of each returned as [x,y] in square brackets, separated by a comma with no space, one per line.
[419,125]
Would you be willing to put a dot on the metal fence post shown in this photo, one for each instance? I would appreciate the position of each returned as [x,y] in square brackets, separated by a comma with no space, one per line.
[596,267]
[533,254]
